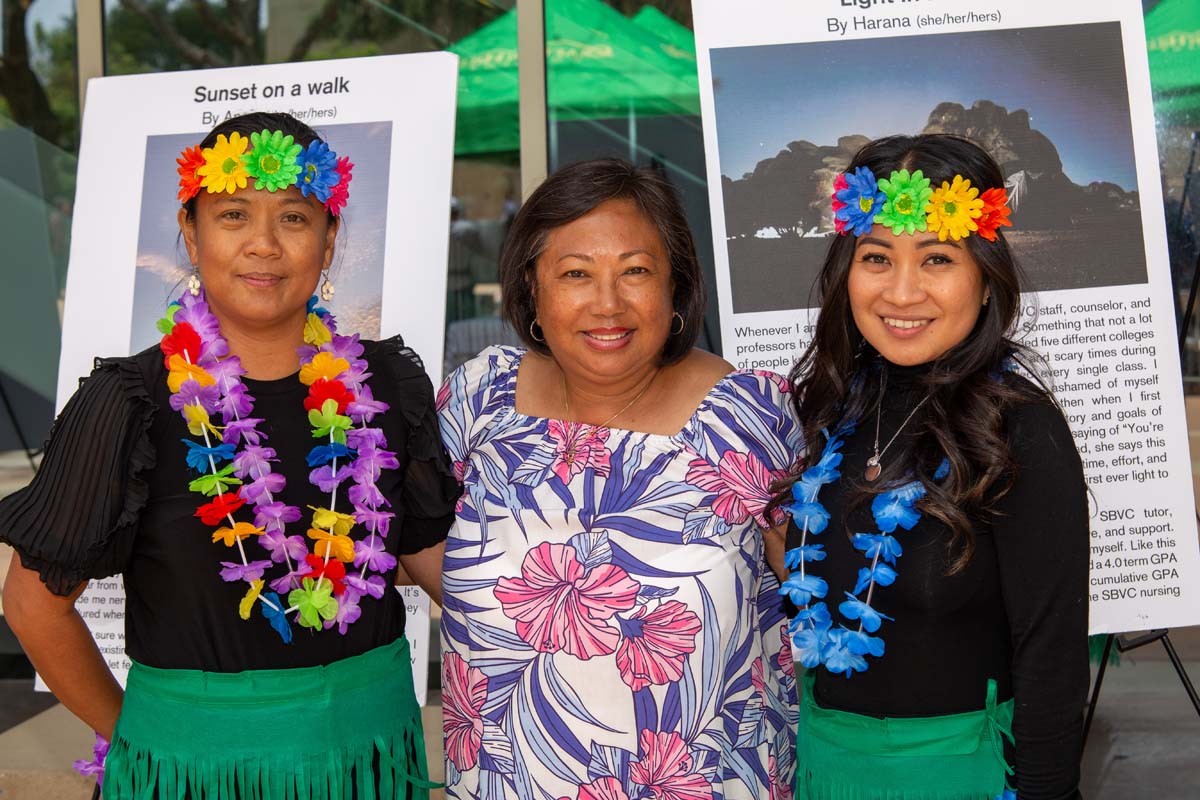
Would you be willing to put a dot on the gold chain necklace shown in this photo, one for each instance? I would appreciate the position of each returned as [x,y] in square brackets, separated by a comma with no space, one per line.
[626,407]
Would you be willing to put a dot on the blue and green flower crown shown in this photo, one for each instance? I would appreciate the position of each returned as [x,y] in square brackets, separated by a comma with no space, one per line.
[907,203]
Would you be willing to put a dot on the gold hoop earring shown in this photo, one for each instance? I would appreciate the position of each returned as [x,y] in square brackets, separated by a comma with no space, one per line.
[193,284]
[327,289]
[534,336]
[682,324]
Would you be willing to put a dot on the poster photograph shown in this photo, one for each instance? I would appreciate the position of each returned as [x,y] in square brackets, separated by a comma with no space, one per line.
[391,250]
[1059,94]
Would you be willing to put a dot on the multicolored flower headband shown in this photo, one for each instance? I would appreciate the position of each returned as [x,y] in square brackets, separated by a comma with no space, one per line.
[906,204]
[273,160]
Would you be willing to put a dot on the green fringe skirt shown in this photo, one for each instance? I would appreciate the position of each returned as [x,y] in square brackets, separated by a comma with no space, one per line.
[351,729]
[845,756]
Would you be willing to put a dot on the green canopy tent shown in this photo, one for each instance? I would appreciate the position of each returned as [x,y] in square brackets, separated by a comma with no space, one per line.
[1173,42]
[600,66]
[678,41]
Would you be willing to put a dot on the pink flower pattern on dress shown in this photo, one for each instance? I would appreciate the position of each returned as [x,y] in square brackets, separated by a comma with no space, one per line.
[741,482]
[786,664]
[578,446]
[464,691]
[560,605]
[655,644]
[665,768]
[591,583]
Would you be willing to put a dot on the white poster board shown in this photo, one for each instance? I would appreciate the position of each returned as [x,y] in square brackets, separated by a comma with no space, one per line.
[1060,94]
[392,115]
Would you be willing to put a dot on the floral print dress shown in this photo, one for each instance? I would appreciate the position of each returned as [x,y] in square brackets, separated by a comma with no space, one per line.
[610,629]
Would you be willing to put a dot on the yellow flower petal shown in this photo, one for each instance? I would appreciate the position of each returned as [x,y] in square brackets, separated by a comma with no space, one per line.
[224,169]
[247,604]
[197,420]
[324,365]
[334,521]
[339,547]
[240,530]
[181,370]
[316,332]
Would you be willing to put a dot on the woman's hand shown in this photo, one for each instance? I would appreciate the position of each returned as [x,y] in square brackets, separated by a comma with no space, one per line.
[62,650]
[424,568]
[774,547]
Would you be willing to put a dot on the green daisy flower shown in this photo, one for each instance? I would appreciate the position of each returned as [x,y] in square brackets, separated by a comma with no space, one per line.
[272,160]
[907,195]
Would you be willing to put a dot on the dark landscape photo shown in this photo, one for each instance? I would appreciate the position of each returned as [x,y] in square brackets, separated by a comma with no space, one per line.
[1050,104]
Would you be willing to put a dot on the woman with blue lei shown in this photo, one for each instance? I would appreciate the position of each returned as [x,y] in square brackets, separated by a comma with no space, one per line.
[938,541]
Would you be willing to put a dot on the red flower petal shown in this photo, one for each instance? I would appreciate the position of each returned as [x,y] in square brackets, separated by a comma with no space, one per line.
[334,571]
[221,506]
[182,340]
[994,213]
[189,161]
[323,389]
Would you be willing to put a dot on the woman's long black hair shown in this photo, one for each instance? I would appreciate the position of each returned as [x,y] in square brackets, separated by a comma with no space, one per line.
[968,394]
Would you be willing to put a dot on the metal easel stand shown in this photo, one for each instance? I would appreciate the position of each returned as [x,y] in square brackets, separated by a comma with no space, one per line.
[1122,643]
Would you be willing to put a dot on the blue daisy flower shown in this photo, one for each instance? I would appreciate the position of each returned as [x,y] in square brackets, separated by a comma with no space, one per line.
[318,170]
[863,201]
[801,590]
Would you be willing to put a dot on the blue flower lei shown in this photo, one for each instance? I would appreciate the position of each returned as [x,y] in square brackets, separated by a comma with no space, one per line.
[842,650]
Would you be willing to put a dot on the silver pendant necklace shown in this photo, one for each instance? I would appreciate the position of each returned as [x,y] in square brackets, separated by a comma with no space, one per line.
[874,468]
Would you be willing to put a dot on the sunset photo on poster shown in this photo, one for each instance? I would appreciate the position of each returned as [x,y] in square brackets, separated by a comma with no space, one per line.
[1050,103]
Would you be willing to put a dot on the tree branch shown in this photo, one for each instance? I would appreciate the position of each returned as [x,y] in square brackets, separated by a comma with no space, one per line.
[197,56]
[22,89]
[316,26]
[222,26]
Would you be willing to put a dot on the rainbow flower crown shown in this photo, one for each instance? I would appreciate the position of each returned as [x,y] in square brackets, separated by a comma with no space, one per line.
[907,204]
[273,160]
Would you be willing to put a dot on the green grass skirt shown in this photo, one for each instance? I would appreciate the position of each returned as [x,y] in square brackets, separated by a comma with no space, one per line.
[351,729]
[844,756]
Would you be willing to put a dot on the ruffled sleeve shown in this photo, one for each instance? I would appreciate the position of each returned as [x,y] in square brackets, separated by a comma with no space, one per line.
[78,517]
[746,431]
[430,490]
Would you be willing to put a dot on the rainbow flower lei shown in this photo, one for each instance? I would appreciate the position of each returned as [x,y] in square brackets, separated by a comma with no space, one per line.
[905,203]
[272,161]
[817,643]
[204,380]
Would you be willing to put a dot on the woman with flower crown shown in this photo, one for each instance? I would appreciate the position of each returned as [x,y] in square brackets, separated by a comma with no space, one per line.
[255,478]
[938,546]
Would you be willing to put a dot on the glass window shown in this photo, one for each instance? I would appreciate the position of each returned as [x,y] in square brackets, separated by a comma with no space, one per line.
[39,128]
[160,36]
[621,81]
[1173,44]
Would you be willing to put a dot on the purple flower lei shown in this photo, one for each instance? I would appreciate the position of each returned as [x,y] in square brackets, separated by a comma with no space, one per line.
[212,384]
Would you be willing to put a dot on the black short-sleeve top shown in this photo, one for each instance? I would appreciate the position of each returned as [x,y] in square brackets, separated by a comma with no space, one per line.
[112,497]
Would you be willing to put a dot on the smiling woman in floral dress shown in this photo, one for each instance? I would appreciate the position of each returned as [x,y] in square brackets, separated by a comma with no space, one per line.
[610,628]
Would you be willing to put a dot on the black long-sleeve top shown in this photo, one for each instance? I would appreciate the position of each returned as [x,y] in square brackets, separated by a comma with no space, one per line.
[1016,614]
[112,498]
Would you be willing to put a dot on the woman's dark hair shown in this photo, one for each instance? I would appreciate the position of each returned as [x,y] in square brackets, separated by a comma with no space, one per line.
[256,122]
[576,190]
[968,393]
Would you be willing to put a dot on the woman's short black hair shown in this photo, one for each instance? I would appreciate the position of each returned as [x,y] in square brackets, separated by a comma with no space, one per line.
[257,122]
[576,190]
